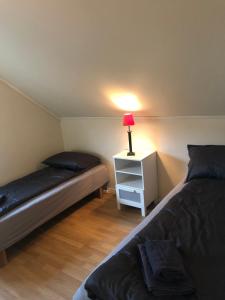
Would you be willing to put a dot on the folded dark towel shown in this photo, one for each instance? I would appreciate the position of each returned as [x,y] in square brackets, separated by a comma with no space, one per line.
[165,260]
[164,273]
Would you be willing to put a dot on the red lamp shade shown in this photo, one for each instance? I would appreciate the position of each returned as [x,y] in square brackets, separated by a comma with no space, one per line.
[128,119]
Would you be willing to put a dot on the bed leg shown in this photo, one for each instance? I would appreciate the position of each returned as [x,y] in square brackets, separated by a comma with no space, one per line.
[3,258]
[143,211]
[100,192]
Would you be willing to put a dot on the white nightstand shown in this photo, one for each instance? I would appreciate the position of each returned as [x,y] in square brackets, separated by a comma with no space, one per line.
[136,179]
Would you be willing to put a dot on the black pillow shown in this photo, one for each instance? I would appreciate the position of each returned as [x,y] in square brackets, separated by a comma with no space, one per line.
[206,162]
[74,161]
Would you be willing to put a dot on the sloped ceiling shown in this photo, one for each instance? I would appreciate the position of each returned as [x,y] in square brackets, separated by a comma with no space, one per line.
[70,55]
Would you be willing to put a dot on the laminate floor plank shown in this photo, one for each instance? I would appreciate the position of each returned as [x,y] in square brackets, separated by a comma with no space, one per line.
[51,262]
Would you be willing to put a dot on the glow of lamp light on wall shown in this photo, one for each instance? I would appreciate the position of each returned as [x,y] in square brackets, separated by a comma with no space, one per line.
[143,143]
[126,101]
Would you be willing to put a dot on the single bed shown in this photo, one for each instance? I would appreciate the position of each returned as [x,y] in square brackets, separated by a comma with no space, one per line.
[38,197]
[81,293]
[192,216]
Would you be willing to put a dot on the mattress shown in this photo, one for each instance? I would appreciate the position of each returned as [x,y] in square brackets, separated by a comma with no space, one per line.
[81,293]
[194,220]
[23,219]
[32,185]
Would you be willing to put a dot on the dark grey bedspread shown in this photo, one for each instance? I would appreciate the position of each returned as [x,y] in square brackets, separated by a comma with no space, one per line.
[32,185]
[195,219]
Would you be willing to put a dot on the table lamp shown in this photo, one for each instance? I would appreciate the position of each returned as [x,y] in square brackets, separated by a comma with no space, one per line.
[128,120]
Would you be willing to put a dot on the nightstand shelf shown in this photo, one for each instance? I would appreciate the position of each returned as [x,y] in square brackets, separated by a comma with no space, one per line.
[132,181]
[131,170]
[128,166]
[136,183]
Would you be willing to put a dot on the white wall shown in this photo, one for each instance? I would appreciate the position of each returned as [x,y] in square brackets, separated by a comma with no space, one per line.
[169,136]
[28,134]
[73,55]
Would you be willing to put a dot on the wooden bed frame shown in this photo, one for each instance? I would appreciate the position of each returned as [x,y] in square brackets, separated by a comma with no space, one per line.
[40,209]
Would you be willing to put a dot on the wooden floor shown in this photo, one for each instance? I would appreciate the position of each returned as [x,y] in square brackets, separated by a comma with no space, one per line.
[51,263]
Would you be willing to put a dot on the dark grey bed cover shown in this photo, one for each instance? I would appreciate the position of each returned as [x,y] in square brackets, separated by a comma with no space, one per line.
[194,219]
[21,190]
